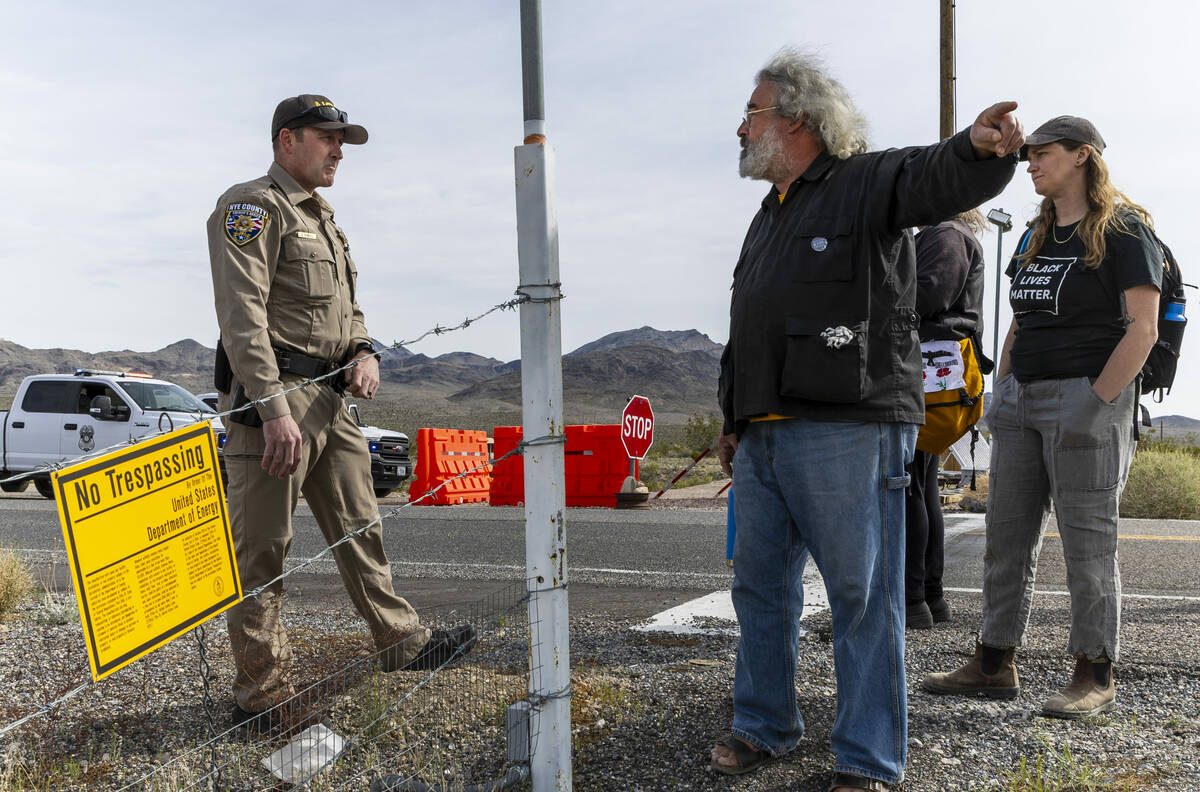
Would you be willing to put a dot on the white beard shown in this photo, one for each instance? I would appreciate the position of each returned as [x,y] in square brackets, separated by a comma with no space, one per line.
[763,159]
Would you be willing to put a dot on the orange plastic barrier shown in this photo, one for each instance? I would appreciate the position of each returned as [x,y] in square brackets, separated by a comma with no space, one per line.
[443,454]
[508,475]
[595,466]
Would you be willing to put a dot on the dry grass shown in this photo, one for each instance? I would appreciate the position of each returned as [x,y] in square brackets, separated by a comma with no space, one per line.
[15,582]
[1164,483]
[1060,771]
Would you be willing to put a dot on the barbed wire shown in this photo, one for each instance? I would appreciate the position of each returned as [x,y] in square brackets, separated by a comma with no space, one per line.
[436,330]
[518,449]
[508,305]
[47,707]
[296,568]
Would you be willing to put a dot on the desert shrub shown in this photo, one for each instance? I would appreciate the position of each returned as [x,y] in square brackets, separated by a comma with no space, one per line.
[700,431]
[15,582]
[668,440]
[1164,483]
[652,471]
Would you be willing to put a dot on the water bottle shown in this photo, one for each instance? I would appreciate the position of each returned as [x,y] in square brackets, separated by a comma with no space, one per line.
[1176,307]
[1170,330]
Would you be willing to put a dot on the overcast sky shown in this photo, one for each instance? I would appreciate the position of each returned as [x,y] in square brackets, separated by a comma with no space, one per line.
[126,121]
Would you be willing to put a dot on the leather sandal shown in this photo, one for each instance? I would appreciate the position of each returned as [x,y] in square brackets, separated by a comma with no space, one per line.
[747,756]
[858,782]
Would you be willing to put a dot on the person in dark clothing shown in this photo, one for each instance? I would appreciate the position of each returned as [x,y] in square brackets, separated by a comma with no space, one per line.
[821,397]
[950,270]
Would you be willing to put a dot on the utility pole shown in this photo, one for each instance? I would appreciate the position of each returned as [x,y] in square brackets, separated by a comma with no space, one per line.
[946,114]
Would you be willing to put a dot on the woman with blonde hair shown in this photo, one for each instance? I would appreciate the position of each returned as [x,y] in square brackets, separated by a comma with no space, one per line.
[1084,294]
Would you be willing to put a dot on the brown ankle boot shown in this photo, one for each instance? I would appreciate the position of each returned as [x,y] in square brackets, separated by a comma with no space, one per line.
[971,681]
[1084,696]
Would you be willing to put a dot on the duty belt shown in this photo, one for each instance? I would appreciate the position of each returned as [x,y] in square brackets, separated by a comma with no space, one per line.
[297,363]
[289,361]
[302,365]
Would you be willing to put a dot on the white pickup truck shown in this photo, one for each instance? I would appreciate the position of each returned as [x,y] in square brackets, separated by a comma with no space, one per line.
[58,417]
[390,464]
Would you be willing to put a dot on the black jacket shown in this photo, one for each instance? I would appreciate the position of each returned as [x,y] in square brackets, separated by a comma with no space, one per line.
[950,270]
[822,322]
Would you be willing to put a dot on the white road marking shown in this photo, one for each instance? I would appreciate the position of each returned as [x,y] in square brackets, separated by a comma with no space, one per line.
[697,616]
[961,523]
[684,618]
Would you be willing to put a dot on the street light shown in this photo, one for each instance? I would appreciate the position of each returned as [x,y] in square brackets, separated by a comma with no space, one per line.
[1003,222]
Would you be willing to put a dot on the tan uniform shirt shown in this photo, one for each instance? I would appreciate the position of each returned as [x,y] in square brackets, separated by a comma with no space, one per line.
[282,276]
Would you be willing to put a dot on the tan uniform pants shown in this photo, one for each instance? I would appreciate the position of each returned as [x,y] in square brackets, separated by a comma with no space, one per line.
[335,477]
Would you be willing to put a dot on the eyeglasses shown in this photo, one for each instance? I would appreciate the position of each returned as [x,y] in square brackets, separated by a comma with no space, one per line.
[749,116]
[327,112]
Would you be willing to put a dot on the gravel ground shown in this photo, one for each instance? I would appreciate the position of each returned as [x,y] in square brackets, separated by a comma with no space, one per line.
[648,706]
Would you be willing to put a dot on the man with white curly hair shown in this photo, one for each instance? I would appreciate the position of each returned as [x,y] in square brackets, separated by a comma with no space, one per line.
[821,395]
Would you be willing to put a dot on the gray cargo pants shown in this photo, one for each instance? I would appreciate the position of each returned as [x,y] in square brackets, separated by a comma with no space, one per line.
[1056,441]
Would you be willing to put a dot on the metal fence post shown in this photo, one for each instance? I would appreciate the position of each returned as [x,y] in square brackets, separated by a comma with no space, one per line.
[541,396]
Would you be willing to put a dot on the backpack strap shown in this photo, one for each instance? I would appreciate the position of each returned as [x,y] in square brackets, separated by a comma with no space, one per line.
[1024,243]
[1139,410]
[986,364]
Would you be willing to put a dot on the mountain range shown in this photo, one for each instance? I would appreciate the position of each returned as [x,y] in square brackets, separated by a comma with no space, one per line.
[675,369]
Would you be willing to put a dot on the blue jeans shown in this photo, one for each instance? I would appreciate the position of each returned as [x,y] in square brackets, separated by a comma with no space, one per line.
[835,490]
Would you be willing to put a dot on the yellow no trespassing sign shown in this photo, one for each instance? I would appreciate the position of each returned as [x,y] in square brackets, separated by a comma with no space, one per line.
[147,537]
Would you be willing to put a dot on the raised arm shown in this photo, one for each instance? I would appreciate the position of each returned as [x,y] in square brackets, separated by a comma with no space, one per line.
[997,131]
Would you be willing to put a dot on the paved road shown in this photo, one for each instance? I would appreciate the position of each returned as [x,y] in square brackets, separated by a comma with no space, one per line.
[1157,557]
[623,563]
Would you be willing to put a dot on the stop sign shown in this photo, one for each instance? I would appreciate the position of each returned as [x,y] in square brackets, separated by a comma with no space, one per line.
[637,427]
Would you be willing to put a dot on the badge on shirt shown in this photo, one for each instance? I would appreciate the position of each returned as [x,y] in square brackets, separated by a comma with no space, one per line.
[819,244]
[244,222]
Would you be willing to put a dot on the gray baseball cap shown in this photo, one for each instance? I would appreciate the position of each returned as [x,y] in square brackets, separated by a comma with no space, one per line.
[1064,128]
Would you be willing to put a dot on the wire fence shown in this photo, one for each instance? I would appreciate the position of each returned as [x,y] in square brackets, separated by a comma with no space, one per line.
[45,468]
[355,727]
[350,725]
[50,704]
[360,728]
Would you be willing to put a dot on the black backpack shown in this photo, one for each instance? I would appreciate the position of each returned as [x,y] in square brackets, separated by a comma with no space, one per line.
[1158,373]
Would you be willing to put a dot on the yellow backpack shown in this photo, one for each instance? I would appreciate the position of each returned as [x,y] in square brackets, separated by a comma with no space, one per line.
[953,380]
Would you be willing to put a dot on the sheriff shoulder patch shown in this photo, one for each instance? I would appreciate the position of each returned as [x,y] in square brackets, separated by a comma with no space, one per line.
[244,222]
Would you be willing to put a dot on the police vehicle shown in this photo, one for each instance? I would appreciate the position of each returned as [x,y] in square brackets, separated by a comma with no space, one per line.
[56,418]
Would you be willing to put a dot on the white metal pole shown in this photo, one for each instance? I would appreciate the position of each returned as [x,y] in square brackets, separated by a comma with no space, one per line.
[541,397]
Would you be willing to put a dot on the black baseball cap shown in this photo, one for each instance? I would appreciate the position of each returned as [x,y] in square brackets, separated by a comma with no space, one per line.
[1064,128]
[314,110]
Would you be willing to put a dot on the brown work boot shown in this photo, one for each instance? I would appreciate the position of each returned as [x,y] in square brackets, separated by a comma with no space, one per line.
[970,680]
[1086,695]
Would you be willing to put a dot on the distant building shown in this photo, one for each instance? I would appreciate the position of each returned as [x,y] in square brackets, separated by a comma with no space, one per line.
[959,463]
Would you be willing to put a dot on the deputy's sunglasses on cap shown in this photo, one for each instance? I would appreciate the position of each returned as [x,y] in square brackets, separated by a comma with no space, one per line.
[326,112]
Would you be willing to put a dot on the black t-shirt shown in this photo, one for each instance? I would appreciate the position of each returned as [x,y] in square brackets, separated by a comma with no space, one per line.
[1069,317]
